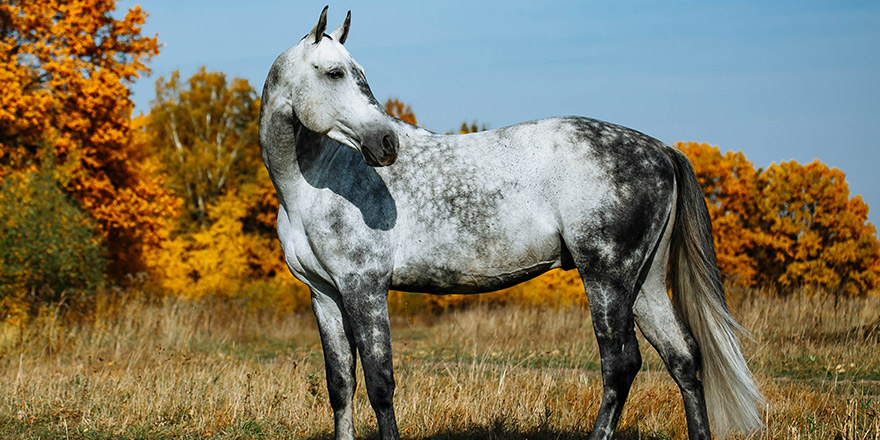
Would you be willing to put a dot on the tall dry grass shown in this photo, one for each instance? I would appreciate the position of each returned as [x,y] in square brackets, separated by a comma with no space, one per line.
[173,369]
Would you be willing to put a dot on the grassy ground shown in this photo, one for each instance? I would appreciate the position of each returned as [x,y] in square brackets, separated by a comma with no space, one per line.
[194,371]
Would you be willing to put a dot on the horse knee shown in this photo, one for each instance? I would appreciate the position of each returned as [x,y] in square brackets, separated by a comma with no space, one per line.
[623,366]
[621,358]
[632,363]
[383,396]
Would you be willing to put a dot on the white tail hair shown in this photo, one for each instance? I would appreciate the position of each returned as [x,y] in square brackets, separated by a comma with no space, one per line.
[732,398]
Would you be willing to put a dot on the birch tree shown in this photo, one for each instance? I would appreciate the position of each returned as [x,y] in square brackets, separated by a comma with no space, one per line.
[205,129]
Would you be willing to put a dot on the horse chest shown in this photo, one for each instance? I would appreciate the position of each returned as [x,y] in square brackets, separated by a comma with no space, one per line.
[325,236]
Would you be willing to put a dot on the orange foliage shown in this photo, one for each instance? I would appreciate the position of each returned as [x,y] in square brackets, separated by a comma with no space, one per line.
[816,234]
[790,226]
[400,111]
[65,67]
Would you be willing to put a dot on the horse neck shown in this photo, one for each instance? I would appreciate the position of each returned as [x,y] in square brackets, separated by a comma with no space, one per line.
[282,139]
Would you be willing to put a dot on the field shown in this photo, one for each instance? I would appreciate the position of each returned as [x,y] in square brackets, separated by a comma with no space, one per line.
[172,369]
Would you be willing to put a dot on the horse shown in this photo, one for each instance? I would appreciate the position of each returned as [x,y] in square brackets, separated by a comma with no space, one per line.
[369,203]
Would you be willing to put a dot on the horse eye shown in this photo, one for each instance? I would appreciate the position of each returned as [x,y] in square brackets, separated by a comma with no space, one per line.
[335,74]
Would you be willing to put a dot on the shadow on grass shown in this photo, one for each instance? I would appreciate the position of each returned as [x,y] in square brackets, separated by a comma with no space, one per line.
[10,429]
[507,433]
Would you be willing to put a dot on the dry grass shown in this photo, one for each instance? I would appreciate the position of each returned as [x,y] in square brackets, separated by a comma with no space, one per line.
[186,370]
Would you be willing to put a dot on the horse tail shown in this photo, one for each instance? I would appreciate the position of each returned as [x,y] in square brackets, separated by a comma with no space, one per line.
[732,398]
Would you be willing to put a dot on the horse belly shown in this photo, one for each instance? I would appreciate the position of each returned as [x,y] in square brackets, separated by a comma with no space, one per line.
[446,280]
[453,261]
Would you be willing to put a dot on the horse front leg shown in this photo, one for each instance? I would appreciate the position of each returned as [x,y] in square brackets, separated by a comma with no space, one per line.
[339,358]
[367,307]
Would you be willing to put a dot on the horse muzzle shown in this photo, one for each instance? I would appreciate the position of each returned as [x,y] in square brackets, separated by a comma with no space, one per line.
[380,150]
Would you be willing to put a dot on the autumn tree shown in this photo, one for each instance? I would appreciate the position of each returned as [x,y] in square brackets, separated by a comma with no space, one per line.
[399,110]
[235,255]
[789,226]
[466,128]
[205,129]
[816,234]
[65,69]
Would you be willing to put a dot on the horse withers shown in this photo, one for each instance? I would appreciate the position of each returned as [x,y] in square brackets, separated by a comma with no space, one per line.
[368,203]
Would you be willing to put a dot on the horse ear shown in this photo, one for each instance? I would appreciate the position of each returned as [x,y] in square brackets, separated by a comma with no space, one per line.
[341,33]
[318,31]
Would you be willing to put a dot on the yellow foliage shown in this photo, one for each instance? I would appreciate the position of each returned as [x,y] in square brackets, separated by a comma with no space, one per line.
[212,261]
[16,312]
[205,131]
[234,255]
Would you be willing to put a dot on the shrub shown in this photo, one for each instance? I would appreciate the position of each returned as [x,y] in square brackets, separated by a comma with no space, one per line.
[48,245]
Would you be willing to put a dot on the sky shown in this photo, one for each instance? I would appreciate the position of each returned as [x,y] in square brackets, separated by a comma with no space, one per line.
[779,81]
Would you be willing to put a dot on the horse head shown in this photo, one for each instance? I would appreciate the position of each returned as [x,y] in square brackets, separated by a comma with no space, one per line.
[330,95]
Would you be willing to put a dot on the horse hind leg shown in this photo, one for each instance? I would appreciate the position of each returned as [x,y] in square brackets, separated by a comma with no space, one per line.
[611,310]
[664,328]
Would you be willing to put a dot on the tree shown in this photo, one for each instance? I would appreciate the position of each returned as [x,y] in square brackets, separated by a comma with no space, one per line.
[206,132]
[790,226]
[730,187]
[472,128]
[816,235]
[236,249]
[65,68]
[399,110]
[211,261]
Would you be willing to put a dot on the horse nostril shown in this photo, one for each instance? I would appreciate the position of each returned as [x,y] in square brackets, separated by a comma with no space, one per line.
[389,143]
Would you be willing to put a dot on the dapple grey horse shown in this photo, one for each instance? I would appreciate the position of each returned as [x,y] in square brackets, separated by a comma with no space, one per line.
[369,203]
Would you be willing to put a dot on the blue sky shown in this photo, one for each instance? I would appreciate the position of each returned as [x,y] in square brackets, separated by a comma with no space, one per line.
[776,80]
